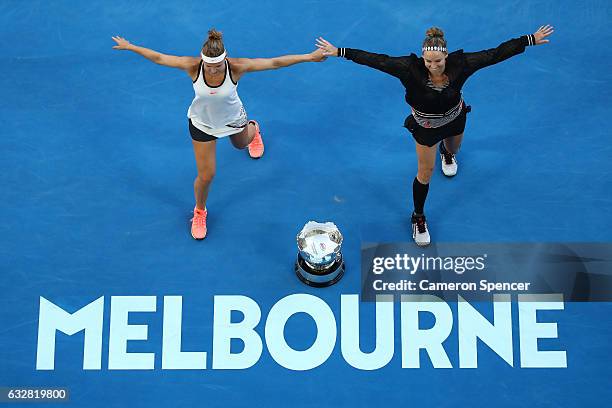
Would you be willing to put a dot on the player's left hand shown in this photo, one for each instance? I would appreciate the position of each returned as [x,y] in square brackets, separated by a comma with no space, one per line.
[317,55]
[122,43]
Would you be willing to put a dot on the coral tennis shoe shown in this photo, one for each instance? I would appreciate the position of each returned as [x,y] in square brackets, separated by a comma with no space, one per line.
[256,147]
[198,223]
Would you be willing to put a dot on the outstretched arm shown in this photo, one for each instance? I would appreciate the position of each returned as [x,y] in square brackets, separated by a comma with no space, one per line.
[240,66]
[184,63]
[482,59]
[395,66]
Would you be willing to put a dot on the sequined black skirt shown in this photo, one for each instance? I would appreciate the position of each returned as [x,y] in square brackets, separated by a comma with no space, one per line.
[431,136]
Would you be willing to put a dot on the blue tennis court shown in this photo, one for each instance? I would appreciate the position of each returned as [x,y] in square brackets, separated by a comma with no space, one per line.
[98,169]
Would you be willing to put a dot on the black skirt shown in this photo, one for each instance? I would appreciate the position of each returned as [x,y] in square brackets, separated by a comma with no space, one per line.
[431,136]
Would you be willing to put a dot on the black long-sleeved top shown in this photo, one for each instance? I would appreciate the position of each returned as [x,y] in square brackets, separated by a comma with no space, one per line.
[413,74]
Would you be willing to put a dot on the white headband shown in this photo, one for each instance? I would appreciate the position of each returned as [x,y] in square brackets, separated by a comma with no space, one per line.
[213,60]
[441,49]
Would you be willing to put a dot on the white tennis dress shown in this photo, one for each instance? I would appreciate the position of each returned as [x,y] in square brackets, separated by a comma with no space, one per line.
[217,110]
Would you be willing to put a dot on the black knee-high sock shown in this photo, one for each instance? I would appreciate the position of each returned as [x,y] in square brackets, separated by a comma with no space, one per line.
[443,147]
[419,195]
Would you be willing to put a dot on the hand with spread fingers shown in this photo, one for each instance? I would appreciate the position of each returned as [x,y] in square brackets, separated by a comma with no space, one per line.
[542,33]
[122,43]
[328,49]
[318,55]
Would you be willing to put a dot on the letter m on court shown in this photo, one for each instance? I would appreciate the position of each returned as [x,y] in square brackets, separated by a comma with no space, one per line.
[52,318]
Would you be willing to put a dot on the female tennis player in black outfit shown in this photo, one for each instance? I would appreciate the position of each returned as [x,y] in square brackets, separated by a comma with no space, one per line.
[433,90]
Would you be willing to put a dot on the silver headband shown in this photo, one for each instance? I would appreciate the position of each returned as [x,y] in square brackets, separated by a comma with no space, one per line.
[441,49]
[213,60]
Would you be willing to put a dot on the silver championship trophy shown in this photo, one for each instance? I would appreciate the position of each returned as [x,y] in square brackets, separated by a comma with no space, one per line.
[319,261]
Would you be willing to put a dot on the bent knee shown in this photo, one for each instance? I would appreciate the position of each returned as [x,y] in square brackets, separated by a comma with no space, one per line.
[241,140]
[453,144]
[239,144]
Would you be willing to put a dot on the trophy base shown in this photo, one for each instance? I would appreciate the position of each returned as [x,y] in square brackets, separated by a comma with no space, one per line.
[319,278]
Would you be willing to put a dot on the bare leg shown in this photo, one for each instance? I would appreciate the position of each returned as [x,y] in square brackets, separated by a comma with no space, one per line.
[206,162]
[426,157]
[453,144]
[241,140]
